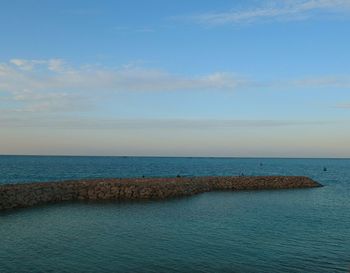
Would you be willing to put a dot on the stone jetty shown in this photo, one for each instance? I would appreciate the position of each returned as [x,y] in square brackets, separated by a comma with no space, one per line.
[30,194]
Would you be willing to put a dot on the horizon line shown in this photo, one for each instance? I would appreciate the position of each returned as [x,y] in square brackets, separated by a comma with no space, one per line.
[169,156]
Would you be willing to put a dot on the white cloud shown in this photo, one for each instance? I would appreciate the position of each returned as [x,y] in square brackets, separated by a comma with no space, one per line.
[274,10]
[127,78]
[56,65]
[53,84]
[28,65]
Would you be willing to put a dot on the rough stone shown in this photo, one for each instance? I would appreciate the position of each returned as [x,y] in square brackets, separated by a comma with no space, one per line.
[27,195]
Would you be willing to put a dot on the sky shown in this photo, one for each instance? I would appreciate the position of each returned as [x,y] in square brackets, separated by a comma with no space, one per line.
[259,78]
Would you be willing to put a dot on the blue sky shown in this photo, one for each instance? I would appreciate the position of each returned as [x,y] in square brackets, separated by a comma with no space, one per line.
[175,78]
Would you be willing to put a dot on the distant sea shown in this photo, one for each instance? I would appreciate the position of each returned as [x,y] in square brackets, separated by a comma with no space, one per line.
[304,230]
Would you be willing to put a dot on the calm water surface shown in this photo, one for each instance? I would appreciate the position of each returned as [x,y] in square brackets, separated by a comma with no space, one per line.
[267,231]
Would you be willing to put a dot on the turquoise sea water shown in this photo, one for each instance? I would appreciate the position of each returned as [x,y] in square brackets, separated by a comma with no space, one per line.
[306,230]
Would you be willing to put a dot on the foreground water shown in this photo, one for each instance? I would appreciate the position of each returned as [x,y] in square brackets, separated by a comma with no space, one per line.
[267,231]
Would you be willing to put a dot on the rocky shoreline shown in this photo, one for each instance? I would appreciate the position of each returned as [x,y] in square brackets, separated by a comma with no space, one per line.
[31,194]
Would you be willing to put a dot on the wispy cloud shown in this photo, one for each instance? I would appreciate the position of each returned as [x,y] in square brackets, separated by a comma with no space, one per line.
[284,10]
[55,65]
[142,124]
[329,81]
[54,85]
[343,106]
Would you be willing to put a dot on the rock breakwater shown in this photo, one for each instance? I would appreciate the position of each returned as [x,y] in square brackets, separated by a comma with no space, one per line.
[30,194]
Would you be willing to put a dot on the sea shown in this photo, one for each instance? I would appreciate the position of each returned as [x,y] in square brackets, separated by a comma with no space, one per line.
[301,230]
